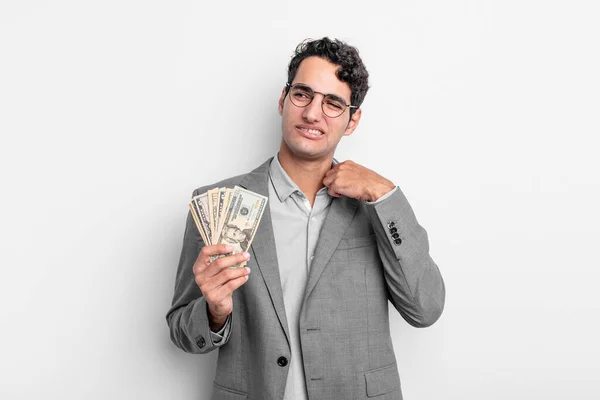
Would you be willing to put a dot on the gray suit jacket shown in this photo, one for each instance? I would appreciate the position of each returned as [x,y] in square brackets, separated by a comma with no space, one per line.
[359,264]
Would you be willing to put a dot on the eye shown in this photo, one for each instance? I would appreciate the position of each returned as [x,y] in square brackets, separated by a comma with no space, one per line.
[334,104]
[300,94]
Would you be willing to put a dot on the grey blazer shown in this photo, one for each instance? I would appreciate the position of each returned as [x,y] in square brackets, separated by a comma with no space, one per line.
[366,255]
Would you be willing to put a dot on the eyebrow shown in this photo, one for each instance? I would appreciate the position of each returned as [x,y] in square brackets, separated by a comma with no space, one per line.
[330,95]
[336,98]
[302,86]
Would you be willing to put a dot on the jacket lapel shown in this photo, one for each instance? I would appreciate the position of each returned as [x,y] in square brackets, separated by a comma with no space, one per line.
[263,245]
[338,218]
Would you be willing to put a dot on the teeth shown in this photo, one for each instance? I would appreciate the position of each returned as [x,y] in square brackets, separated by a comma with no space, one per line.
[312,131]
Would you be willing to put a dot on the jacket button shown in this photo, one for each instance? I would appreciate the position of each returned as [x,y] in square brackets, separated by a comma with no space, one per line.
[393,230]
[398,241]
[282,361]
[201,342]
[395,236]
[391,224]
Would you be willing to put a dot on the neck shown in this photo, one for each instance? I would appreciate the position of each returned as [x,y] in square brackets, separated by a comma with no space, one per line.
[307,174]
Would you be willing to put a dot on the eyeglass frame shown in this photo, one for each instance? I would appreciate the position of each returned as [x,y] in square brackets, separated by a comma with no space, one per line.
[289,87]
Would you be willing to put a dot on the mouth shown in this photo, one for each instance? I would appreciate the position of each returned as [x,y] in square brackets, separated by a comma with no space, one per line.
[310,132]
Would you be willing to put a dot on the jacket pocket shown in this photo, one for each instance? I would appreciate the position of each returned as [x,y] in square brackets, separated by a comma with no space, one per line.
[223,393]
[382,380]
[356,242]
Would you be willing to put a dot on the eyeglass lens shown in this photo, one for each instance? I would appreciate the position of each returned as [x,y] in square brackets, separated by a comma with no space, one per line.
[302,96]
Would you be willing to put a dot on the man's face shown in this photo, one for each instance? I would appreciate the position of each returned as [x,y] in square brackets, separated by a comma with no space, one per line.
[234,234]
[309,134]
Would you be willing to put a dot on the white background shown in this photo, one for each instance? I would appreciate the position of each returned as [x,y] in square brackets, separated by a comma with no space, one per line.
[485,113]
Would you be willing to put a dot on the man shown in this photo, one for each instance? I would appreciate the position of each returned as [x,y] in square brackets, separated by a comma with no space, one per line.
[335,244]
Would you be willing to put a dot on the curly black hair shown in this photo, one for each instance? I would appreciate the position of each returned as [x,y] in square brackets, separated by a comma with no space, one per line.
[351,68]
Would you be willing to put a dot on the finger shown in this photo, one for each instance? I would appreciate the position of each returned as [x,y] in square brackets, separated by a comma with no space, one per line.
[207,252]
[225,262]
[230,286]
[212,285]
[328,180]
[336,187]
[335,167]
[216,249]
[343,164]
[330,177]
[333,193]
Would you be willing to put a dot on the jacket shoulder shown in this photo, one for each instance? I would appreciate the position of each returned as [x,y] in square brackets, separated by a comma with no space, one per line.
[262,170]
[229,183]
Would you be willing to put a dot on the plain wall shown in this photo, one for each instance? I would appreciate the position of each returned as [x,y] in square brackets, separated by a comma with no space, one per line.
[485,113]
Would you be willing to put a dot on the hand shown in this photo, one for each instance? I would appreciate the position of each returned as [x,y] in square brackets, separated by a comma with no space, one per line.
[217,281]
[353,180]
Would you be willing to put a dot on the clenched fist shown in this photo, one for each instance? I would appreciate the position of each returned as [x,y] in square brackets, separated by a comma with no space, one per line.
[217,281]
[353,180]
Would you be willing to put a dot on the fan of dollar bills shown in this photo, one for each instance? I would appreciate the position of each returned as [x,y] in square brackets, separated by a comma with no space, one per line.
[228,216]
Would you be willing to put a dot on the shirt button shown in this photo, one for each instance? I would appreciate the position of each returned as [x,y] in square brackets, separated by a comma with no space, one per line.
[391,224]
[282,361]
[395,236]
[398,241]
[393,230]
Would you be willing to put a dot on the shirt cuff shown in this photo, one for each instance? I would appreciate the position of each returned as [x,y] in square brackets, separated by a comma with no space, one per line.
[217,337]
[385,196]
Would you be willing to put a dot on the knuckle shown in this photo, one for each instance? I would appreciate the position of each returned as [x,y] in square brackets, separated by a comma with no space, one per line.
[219,262]
[199,267]
[235,283]
[203,256]
[229,274]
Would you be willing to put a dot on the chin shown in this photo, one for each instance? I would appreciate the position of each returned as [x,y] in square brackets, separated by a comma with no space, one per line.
[305,149]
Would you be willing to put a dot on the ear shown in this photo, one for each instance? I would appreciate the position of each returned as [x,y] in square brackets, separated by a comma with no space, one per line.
[353,122]
[281,99]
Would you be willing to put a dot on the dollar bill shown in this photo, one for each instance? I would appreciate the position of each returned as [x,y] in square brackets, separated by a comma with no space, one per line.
[228,216]
[220,213]
[213,197]
[226,201]
[203,215]
[242,218]
[194,211]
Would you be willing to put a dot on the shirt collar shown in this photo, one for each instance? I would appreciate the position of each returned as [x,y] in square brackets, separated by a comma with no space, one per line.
[284,185]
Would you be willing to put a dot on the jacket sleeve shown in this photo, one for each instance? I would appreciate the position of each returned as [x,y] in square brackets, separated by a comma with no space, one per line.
[188,316]
[414,282]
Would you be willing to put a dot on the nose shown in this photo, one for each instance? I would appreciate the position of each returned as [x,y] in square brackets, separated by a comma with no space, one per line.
[313,112]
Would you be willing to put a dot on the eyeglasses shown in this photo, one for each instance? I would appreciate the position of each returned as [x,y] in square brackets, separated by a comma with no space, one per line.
[302,95]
